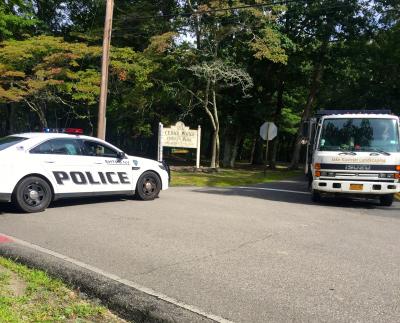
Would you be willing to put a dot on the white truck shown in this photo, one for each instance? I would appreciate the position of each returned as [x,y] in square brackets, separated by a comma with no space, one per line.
[353,153]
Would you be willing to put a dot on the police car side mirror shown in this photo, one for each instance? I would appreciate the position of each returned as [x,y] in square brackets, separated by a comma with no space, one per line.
[121,155]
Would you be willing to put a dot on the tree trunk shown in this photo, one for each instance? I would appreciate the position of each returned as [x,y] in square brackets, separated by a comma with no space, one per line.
[42,118]
[272,163]
[315,84]
[216,149]
[215,124]
[239,155]
[197,23]
[39,111]
[253,150]
[227,148]
[235,151]
[10,121]
[213,150]
[258,152]
[277,119]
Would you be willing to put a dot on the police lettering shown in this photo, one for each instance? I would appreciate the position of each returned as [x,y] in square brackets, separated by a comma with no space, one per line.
[87,178]
[78,178]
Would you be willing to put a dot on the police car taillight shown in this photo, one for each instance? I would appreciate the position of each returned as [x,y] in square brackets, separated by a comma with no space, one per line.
[76,131]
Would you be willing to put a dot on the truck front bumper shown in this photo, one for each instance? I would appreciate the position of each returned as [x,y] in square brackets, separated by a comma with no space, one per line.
[353,187]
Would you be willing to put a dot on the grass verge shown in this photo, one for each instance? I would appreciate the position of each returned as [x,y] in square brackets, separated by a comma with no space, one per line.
[28,295]
[230,177]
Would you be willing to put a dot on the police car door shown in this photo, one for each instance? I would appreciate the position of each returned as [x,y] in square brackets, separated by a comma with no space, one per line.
[112,171]
[62,160]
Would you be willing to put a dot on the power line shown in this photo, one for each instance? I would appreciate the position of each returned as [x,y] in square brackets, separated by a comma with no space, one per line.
[327,10]
[265,4]
[199,13]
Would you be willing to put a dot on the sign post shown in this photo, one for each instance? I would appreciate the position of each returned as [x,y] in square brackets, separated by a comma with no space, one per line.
[179,136]
[160,143]
[266,151]
[268,131]
[198,147]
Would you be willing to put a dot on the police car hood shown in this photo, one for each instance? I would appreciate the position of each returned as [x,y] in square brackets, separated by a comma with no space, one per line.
[143,162]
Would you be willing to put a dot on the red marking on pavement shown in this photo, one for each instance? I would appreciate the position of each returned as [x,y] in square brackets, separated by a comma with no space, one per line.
[4,239]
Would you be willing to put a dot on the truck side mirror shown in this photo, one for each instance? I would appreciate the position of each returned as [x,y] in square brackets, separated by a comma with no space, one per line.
[305,129]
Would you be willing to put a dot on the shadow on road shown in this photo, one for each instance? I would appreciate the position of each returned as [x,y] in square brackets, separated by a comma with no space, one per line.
[7,208]
[294,192]
[291,191]
[10,208]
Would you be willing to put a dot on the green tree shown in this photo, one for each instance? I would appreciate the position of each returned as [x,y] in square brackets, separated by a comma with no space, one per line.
[16,20]
[46,69]
[316,27]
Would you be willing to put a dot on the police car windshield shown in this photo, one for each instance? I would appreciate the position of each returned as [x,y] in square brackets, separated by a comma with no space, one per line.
[360,134]
[6,142]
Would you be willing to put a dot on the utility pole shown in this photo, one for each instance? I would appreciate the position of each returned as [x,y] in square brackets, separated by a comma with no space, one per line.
[101,123]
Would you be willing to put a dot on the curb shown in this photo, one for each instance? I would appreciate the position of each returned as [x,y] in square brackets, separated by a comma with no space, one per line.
[129,303]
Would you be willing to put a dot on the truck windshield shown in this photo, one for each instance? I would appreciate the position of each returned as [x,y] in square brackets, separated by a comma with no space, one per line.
[360,134]
[6,142]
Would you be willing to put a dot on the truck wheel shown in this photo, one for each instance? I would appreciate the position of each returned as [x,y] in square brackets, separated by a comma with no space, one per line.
[148,186]
[32,194]
[315,196]
[386,200]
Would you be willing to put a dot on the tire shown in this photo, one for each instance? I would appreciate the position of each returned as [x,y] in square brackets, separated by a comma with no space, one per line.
[148,186]
[32,194]
[316,196]
[386,200]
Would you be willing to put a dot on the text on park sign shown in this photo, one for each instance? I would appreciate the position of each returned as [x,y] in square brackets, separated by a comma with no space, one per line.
[179,136]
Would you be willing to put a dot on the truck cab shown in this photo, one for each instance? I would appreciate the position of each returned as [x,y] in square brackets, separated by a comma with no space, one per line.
[354,153]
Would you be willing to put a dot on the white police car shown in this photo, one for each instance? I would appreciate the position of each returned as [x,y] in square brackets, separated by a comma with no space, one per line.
[38,168]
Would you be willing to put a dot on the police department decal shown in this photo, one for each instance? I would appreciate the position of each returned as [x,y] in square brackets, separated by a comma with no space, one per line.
[117,162]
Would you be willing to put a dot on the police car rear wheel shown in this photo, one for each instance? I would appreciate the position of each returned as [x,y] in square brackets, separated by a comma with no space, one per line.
[33,194]
[148,186]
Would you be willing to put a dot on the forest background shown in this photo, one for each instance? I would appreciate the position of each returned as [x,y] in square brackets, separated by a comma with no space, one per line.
[226,65]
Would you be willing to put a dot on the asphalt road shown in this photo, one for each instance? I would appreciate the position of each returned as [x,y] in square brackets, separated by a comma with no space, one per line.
[245,254]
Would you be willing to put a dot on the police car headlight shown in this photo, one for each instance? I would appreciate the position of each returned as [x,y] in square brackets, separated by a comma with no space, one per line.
[162,166]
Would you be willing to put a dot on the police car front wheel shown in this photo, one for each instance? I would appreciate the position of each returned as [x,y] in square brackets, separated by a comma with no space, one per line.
[32,194]
[148,186]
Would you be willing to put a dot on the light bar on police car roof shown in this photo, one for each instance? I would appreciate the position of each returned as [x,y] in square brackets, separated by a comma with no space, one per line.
[73,130]
[64,130]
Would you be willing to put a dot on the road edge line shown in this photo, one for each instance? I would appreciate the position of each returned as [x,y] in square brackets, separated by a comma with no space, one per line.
[148,291]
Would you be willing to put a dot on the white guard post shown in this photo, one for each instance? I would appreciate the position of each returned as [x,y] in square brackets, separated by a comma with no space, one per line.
[198,147]
[179,136]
